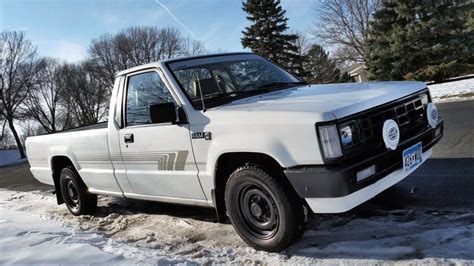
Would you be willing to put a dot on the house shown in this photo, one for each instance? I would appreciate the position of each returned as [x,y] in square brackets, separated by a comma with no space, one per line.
[357,72]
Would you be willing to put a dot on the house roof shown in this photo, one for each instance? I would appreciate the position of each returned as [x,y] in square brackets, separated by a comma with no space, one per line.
[356,69]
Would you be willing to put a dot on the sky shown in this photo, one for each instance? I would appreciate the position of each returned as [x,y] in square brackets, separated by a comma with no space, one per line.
[64,28]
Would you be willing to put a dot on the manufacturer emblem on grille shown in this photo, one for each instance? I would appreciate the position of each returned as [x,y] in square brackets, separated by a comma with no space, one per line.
[432,114]
[391,134]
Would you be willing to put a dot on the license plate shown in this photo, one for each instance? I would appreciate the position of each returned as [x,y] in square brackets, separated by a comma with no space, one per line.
[412,157]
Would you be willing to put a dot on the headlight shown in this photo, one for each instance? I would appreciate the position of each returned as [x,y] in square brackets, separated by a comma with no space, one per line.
[349,133]
[330,143]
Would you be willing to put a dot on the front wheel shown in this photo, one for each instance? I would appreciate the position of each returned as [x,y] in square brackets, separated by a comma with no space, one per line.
[266,215]
[75,195]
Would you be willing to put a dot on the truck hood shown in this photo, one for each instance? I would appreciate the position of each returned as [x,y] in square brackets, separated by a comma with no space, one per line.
[340,100]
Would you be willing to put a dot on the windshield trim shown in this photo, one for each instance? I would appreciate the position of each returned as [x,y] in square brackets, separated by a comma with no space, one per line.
[198,106]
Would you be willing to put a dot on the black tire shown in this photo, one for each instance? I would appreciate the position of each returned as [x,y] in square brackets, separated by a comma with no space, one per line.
[74,192]
[265,214]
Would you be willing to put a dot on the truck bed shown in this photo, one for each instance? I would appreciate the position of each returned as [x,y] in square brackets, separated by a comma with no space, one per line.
[86,147]
[81,128]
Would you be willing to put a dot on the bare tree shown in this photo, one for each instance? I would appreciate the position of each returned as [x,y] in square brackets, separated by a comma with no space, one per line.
[190,47]
[19,66]
[6,141]
[45,103]
[3,123]
[302,43]
[83,94]
[30,128]
[345,24]
[135,46]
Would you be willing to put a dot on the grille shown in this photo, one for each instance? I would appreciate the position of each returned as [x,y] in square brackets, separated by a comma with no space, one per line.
[409,115]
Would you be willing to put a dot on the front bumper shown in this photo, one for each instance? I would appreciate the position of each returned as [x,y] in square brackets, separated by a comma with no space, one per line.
[335,189]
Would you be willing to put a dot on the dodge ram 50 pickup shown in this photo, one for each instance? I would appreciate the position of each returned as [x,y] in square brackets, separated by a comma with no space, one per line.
[238,133]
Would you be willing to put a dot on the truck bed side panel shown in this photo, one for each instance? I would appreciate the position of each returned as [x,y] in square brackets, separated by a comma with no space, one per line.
[88,151]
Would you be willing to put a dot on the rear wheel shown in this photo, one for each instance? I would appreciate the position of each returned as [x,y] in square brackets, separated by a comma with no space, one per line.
[75,195]
[266,216]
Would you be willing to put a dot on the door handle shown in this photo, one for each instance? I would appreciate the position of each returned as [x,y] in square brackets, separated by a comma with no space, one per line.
[128,138]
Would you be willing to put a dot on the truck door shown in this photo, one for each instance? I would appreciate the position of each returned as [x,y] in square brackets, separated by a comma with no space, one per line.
[157,156]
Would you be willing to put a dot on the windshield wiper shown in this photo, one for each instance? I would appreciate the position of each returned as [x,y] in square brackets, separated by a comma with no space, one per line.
[281,84]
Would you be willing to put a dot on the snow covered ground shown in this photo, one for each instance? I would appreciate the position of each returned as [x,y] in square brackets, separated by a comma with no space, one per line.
[8,157]
[28,239]
[33,229]
[460,90]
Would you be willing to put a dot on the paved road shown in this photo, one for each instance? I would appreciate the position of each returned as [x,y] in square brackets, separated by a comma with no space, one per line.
[444,182]
[18,177]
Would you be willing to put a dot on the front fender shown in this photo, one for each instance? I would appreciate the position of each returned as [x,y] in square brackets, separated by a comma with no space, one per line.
[236,143]
[255,143]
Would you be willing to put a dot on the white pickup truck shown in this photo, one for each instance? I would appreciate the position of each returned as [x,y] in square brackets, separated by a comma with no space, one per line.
[238,133]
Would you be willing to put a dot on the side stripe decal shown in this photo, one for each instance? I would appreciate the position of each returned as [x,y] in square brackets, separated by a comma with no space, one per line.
[172,160]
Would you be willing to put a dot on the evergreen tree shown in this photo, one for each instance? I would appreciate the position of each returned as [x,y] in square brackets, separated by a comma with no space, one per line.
[268,36]
[320,67]
[423,40]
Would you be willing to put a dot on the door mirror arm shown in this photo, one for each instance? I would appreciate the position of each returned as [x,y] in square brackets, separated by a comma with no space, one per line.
[182,118]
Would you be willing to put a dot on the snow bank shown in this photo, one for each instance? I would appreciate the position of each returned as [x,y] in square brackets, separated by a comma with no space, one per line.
[8,157]
[460,90]
[148,232]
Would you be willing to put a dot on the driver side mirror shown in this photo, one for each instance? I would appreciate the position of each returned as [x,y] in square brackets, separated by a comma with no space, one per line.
[166,113]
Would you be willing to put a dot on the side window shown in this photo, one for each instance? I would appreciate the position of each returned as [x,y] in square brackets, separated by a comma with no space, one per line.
[144,90]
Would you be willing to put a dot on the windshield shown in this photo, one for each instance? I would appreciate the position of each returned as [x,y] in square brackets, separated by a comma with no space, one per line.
[226,78]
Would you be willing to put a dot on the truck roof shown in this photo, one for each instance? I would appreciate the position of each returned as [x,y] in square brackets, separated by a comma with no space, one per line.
[158,63]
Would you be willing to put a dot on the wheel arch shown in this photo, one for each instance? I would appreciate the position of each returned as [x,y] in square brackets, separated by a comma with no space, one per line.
[58,163]
[228,162]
